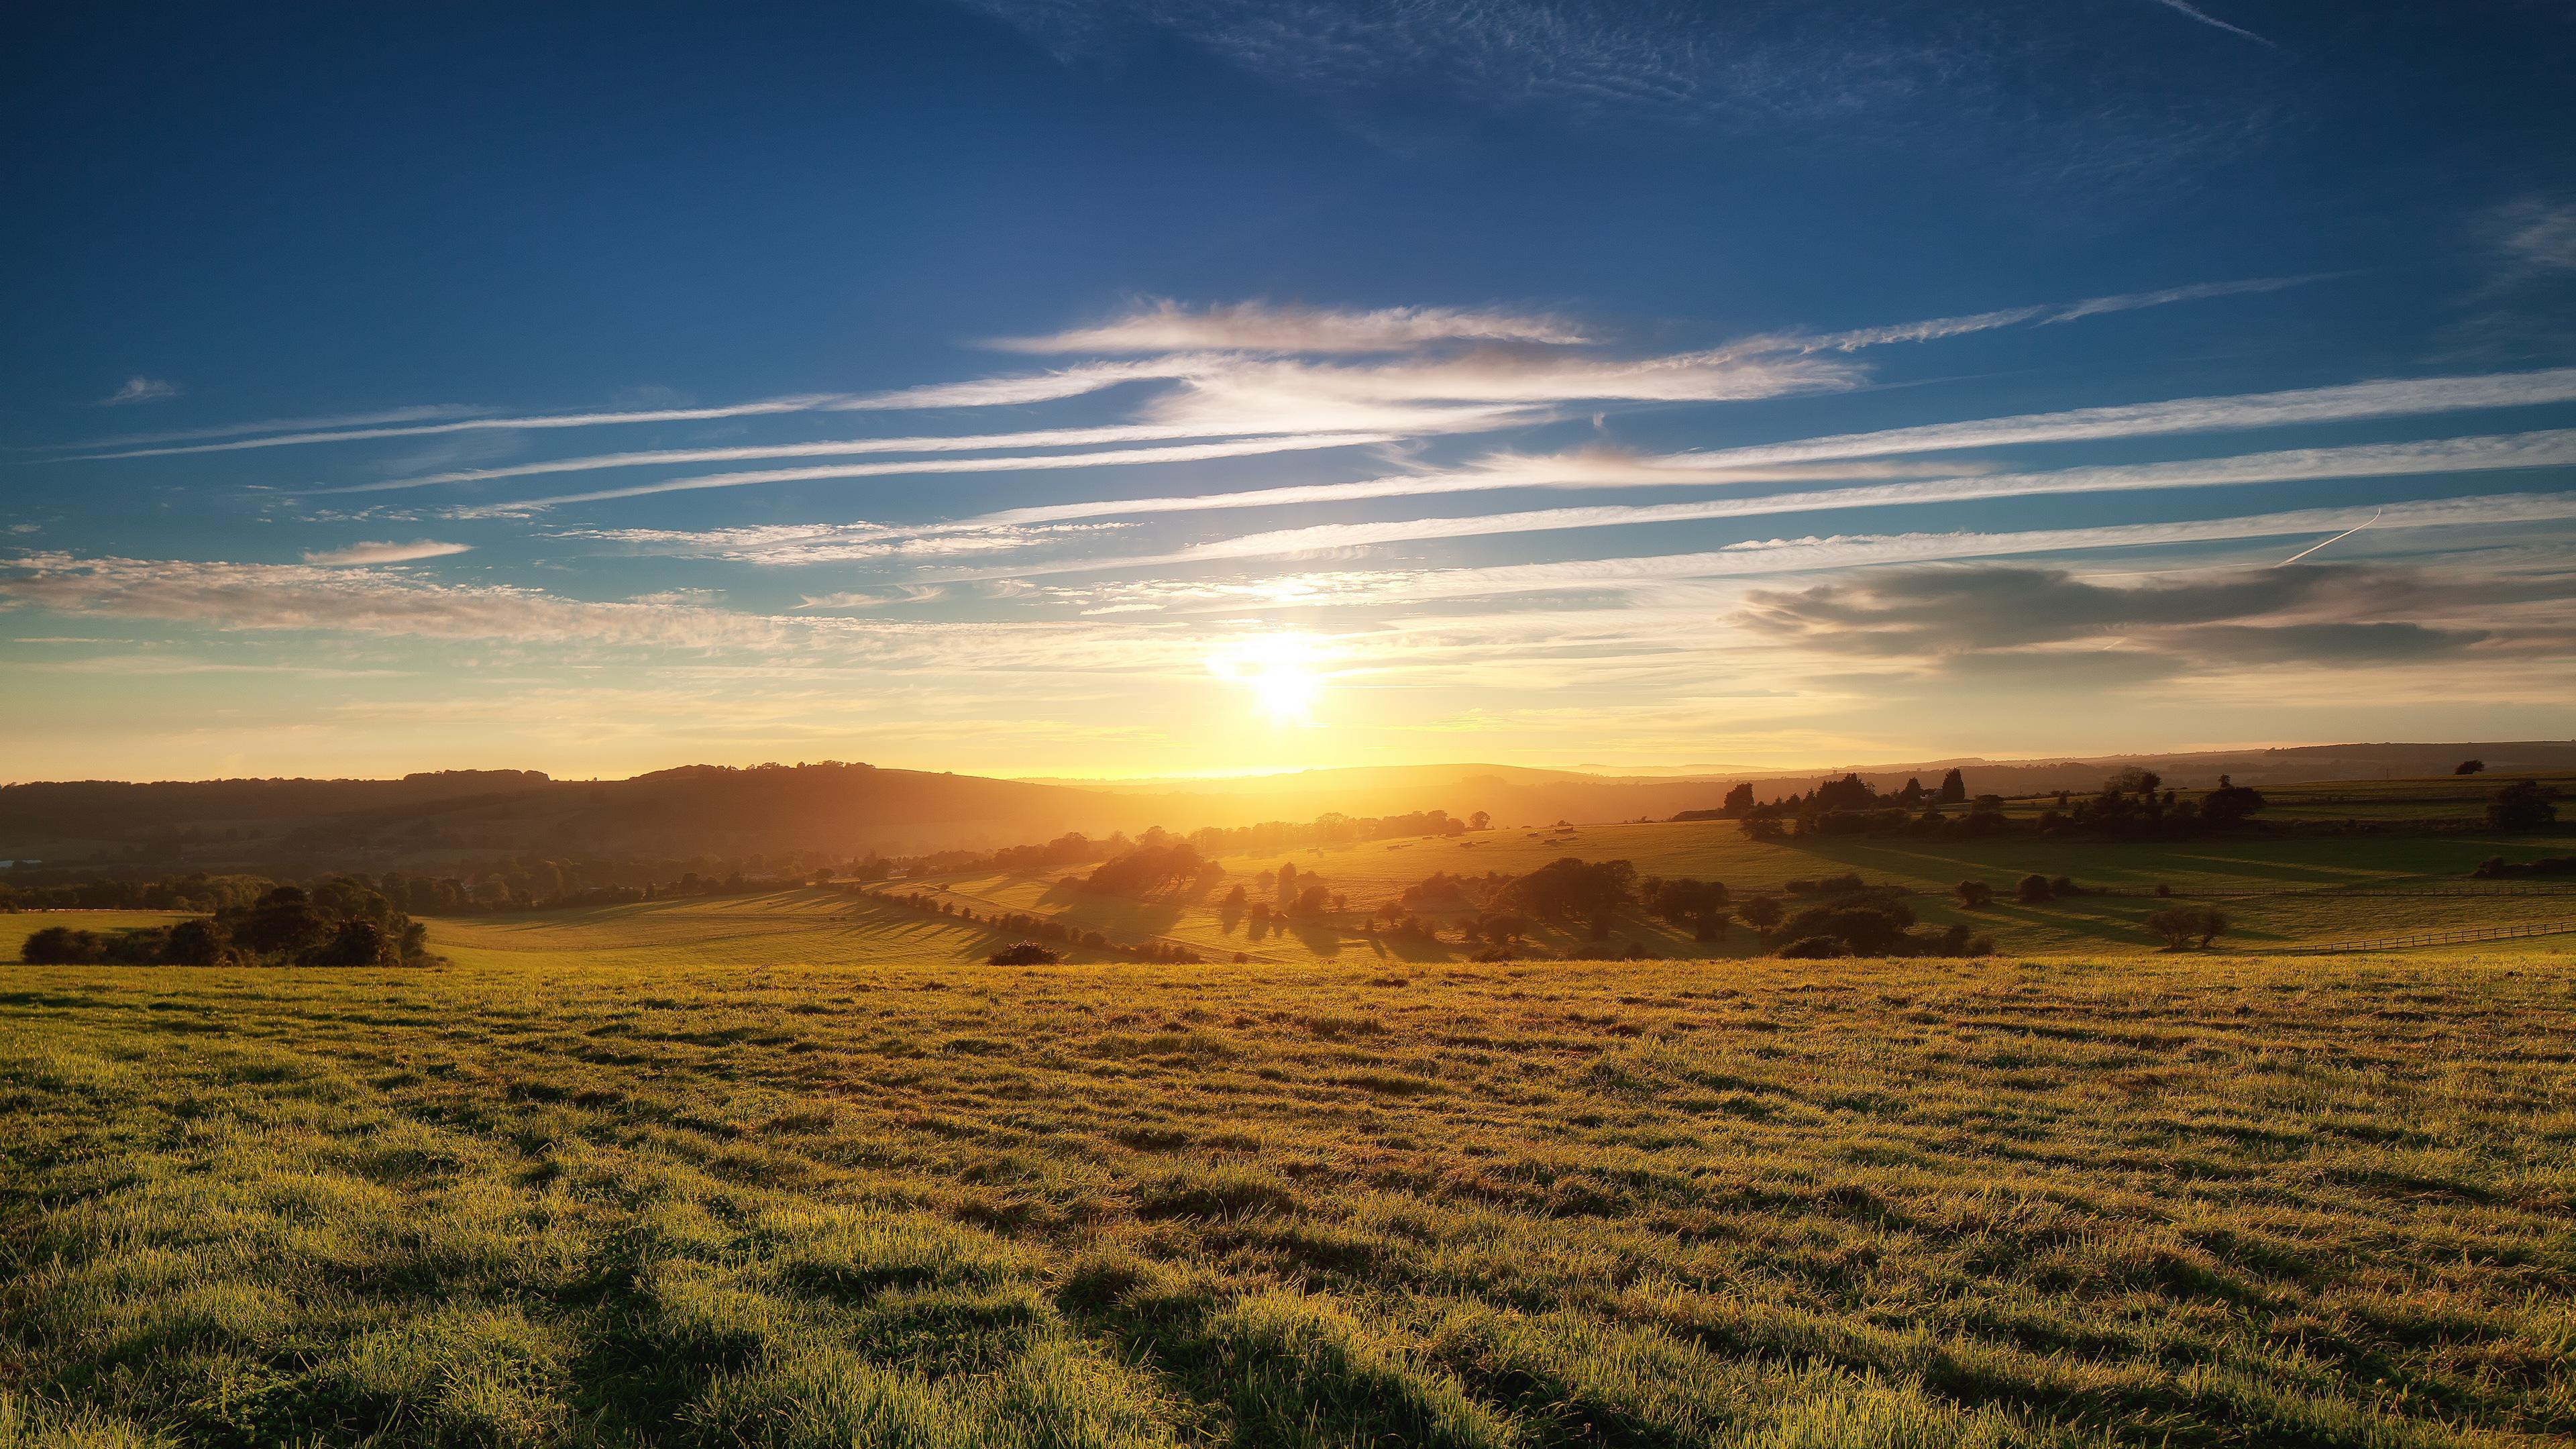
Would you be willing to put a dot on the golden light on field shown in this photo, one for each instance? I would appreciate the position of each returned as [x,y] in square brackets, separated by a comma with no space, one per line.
[1279,669]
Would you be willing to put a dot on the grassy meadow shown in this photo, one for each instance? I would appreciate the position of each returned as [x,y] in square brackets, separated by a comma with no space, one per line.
[2279,891]
[650,1197]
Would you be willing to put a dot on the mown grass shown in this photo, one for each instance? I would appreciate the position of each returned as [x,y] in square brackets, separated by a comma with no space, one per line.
[2168,1201]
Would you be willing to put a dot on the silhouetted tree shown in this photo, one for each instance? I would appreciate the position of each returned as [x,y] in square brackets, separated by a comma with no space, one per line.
[1953,791]
[1975,894]
[2522,805]
[2470,767]
[2179,926]
[1739,800]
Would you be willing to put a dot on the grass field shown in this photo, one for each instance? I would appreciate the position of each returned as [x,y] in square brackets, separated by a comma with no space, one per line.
[668,1195]
[2280,891]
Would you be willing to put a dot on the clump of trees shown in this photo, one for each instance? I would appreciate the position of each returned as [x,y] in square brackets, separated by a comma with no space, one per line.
[1152,870]
[2179,927]
[1024,953]
[342,922]
[2522,805]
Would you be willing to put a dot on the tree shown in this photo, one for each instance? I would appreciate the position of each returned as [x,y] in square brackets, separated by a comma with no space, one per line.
[1762,827]
[2522,805]
[2033,889]
[1025,953]
[1953,791]
[1976,895]
[2134,781]
[1480,821]
[1912,795]
[2470,767]
[2179,926]
[1739,800]
[1761,913]
[1568,888]
[2230,803]
[1850,792]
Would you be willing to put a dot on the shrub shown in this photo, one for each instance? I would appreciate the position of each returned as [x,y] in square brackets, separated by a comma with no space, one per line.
[1024,953]
[1813,948]
[63,946]
[1975,894]
[2033,888]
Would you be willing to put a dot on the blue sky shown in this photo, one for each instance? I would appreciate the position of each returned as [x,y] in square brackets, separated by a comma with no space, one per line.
[1131,388]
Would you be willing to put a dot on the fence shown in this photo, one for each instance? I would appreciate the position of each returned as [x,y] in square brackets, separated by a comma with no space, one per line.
[2454,937]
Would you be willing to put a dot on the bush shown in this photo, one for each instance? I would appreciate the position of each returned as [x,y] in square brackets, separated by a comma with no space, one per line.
[63,946]
[1976,895]
[1813,948]
[1024,953]
[2033,888]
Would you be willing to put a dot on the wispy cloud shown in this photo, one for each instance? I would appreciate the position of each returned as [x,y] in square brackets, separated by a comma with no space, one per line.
[2196,292]
[847,447]
[1193,453]
[1167,326]
[804,543]
[140,389]
[2538,236]
[2205,18]
[385,553]
[1826,552]
[2456,455]
[542,421]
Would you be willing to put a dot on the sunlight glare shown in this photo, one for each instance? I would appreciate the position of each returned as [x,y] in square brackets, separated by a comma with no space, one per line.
[1280,671]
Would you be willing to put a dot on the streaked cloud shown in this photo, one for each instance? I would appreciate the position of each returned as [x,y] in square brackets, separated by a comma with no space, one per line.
[140,389]
[2456,455]
[1191,453]
[2205,18]
[385,553]
[1812,553]
[1167,326]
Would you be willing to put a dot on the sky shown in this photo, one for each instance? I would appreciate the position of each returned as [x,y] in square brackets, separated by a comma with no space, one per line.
[1137,388]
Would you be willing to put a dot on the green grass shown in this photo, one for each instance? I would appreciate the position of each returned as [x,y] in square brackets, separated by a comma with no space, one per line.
[669,1189]
[2281,890]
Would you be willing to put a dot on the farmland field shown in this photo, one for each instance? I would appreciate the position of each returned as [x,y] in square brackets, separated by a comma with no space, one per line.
[634,1198]
[2279,890]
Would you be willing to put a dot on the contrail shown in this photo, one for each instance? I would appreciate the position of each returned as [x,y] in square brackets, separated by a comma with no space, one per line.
[2205,18]
[2338,538]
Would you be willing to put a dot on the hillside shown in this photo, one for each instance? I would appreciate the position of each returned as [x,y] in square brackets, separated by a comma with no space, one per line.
[440,819]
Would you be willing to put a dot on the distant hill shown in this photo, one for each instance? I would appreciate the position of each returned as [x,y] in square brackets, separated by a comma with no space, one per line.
[425,820]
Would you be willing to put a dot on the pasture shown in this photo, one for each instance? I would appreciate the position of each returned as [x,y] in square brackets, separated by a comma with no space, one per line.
[2279,890]
[733,1193]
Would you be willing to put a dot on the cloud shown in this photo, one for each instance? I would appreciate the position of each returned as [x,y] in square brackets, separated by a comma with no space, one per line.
[848,447]
[2538,236]
[2205,18]
[1192,453]
[318,597]
[1823,553]
[2371,460]
[140,389]
[792,544]
[2036,623]
[1921,611]
[2198,291]
[386,553]
[1167,326]
[542,421]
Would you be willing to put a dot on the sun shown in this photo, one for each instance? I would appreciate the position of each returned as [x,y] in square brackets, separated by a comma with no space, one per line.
[1279,669]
